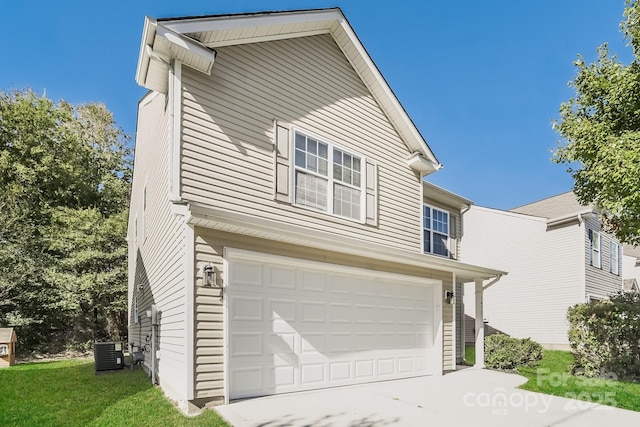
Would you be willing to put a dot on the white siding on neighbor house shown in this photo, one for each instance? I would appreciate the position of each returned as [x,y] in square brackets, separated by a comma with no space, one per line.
[545,272]
[227,147]
[156,256]
[629,268]
[600,282]
[209,248]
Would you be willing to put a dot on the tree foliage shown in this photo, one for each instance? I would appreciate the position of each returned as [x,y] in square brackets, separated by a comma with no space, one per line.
[605,337]
[601,126]
[65,175]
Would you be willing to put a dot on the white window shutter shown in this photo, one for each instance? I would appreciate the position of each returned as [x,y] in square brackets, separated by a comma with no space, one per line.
[372,194]
[453,236]
[282,166]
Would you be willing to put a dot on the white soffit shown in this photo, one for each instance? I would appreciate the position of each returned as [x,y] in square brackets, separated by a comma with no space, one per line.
[226,30]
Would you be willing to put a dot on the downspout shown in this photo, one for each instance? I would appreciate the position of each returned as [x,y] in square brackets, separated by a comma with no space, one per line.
[175,130]
[491,283]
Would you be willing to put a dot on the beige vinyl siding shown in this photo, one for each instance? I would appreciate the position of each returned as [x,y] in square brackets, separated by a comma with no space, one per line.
[156,258]
[227,147]
[209,247]
[600,282]
[546,273]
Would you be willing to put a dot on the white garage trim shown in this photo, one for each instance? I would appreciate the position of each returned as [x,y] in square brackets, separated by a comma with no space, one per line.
[330,354]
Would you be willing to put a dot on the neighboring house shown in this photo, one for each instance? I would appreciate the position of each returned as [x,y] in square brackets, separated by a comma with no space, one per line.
[276,227]
[557,256]
[630,268]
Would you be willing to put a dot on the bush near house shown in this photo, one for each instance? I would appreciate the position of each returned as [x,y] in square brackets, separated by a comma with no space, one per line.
[605,337]
[505,352]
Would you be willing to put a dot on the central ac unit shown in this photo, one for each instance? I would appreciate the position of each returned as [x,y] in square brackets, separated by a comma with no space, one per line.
[108,356]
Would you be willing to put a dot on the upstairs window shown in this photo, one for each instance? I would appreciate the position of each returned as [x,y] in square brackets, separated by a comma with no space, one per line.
[435,224]
[614,258]
[327,178]
[596,246]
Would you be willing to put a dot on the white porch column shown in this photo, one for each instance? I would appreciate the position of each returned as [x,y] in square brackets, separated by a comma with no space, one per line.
[479,327]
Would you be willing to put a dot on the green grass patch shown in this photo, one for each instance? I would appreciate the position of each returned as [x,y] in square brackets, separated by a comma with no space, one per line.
[552,376]
[470,354]
[69,393]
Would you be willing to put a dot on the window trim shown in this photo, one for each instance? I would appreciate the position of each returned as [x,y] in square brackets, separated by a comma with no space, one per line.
[614,247]
[448,244]
[330,180]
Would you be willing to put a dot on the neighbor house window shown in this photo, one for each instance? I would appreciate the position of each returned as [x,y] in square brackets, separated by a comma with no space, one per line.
[435,224]
[614,258]
[596,246]
[327,178]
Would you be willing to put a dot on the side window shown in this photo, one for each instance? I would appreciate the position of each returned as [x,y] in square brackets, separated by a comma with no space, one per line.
[596,246]
[435,228]
[614,258]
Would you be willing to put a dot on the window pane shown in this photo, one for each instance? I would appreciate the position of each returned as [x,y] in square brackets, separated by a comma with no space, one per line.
[440,244]
[346,201]
[312,163]
[356,164]
[311,191]
[346,160]
[337,156]
[440,221]
[426,217]
[300,159]
[427,241]
[346,175]
[322,167]
[337,172]
[301,142]
[356,179]
[322,150]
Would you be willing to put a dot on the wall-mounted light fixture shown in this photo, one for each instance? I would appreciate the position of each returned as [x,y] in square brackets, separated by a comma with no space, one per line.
[449,297]
[208,275]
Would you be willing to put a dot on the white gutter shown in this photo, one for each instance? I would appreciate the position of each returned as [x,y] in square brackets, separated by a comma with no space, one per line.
[491,283]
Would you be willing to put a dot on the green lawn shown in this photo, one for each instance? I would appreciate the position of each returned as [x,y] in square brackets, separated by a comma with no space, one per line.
[552,376]
[69,393]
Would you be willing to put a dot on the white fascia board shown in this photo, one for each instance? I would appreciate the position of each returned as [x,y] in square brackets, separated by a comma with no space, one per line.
[577,216]
[273,230]
[218,23]
[148,35]
[419,163]
[182,42]
[445,196]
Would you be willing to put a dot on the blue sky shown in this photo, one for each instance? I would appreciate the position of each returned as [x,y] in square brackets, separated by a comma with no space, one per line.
[482,80]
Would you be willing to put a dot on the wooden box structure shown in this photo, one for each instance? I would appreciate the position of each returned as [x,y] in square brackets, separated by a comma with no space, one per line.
[8,341]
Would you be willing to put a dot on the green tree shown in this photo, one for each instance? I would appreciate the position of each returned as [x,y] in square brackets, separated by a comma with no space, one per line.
[601,126]
[65,175]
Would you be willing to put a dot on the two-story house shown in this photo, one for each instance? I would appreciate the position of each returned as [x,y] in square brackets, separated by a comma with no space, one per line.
[278,221]
[557,255]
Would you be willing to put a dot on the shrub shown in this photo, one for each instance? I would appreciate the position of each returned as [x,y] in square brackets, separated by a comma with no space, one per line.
[605,337]
[505,352]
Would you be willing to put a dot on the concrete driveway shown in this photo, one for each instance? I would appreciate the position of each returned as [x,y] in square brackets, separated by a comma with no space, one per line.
[464,398]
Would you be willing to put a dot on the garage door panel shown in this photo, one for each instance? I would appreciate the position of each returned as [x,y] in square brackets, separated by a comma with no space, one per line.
[304,328]
[247,274]
[282,309]
[280,277]
[246,308]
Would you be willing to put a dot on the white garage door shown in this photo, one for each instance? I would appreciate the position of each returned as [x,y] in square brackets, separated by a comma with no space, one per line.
[295,325]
